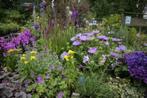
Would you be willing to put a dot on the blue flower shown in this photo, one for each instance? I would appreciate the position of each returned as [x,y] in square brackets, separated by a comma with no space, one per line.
[86,59]
[120,48]
[92,50]
[40,80]
[104,38]
[137,64]
[76,43]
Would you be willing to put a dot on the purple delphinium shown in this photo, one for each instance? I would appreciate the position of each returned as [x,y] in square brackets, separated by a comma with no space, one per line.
[36,26]
[75,14]
[86,59]
[40,80]
[137,64]
[92,50]
[43,5]
[60,94]
[121,48]
[76,43]
[104,38]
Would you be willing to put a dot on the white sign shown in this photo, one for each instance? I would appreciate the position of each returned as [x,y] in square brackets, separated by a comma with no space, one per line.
[145,16]
[128,20]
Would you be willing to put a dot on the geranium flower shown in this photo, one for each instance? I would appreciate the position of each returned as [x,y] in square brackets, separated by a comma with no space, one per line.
[40,80]
[86,59]
[83,38]
[121,48]
[104,38]
[92,50]
[76,43]
[113,54]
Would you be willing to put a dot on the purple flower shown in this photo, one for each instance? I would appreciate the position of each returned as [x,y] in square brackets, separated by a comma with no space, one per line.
[40,80]
[104,38]
[76,43]
[43,4]
[36,26]
[83,38]
[137,64]
[63,54]
[60,95]
[16,41]
[116,39]
[75,14]
[92,50]
[10,46]
[113,54]
[86,59]
[121,48]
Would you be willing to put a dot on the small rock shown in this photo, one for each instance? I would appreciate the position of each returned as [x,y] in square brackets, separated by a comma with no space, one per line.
[7,93]
[29,96]
[20,95]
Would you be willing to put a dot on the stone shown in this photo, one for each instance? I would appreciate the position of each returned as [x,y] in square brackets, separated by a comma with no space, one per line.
[20,95]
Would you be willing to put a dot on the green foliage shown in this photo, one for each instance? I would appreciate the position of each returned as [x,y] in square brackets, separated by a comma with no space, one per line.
[6,28]
[112,23]
[90,86]
[9,59]
[10,21]
[124,88]
[59,38]
[33,62]
[47,66]
[104,8]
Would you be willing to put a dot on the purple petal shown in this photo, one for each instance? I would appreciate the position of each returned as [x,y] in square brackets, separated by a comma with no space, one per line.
[92,50]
